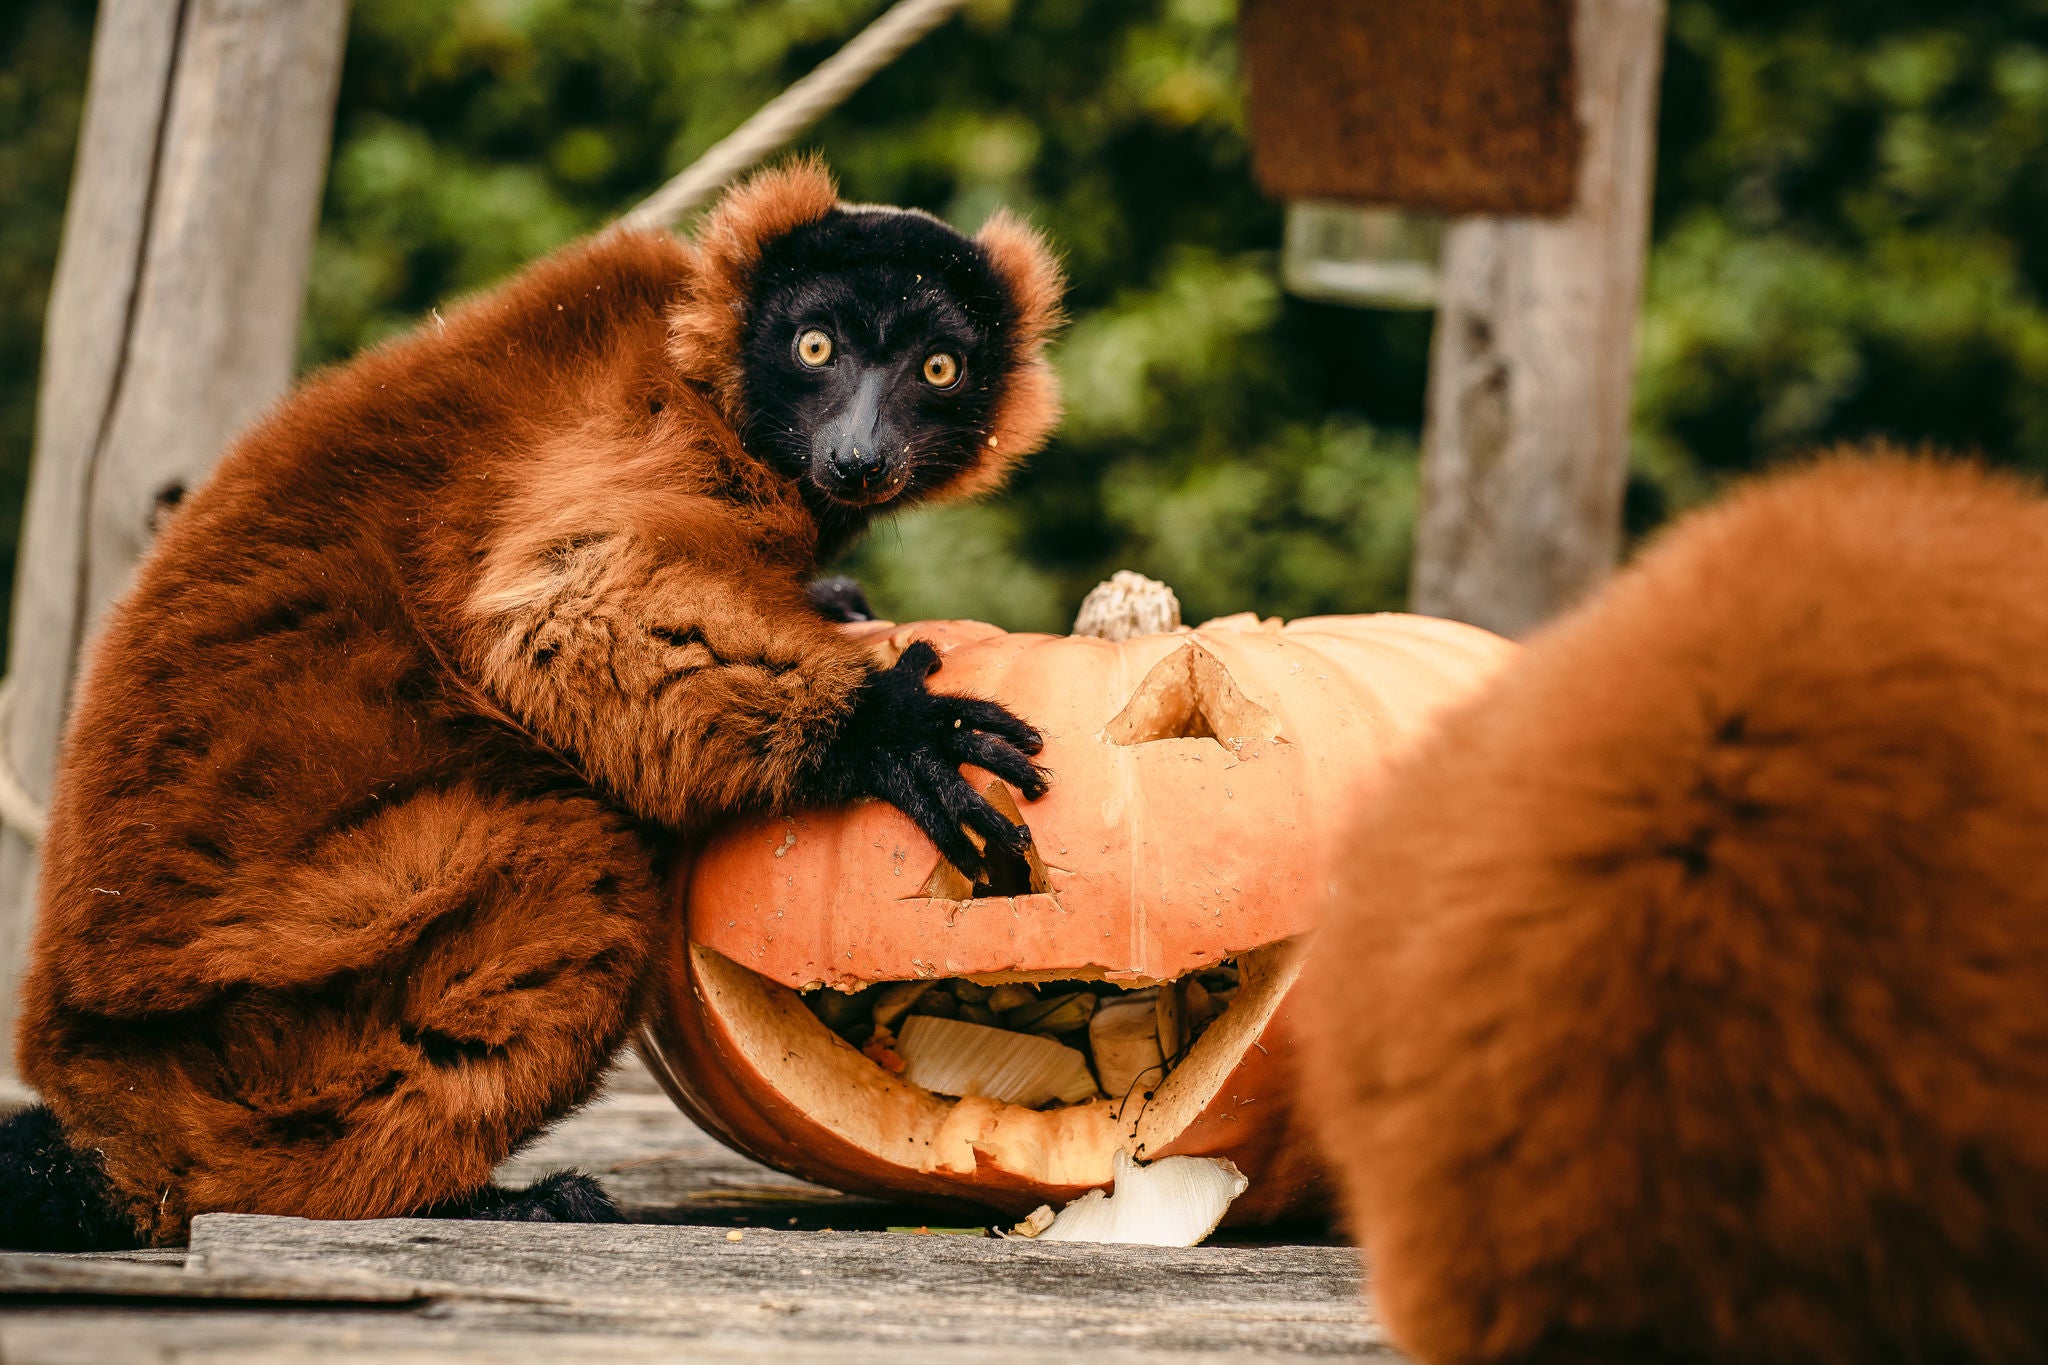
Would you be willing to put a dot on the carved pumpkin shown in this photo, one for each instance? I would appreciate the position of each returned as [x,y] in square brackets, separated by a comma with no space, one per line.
[1200,783]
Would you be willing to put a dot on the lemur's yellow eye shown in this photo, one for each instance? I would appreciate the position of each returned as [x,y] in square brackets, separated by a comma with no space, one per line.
[940,370]
[814,348]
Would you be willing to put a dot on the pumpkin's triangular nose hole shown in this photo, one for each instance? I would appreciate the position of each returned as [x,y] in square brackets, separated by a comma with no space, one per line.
[1007,874]
[1190,695]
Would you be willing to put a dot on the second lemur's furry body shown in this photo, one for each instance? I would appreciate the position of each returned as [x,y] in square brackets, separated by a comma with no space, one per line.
[1685,994]
[351,878]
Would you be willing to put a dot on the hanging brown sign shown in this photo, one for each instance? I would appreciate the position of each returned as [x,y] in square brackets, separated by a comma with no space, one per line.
[1464,106]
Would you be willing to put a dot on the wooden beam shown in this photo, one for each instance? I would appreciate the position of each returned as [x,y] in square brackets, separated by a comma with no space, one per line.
[853,1294]
[30,1276]
[1525,453]
[174,319]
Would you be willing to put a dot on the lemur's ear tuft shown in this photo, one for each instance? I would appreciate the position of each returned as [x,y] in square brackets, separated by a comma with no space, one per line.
[706,324]
[1030,405]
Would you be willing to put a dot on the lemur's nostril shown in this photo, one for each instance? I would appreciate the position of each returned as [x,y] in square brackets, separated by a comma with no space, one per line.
[855,463]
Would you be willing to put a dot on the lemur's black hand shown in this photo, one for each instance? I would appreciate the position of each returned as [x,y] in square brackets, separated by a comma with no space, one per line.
[906,744]
[839,598]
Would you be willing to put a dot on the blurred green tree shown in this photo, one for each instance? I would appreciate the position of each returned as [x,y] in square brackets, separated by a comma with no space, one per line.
[1850,236]
[1848,243]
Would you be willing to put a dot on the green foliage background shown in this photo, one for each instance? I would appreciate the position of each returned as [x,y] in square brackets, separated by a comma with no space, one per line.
[1849,241]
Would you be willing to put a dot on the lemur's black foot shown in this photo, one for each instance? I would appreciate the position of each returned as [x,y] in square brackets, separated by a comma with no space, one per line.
[564,1197]
[54,1197]
[839,598]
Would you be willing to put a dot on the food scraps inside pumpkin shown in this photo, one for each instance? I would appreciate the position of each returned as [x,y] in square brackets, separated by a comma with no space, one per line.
[1016,1080]
[1035,1044]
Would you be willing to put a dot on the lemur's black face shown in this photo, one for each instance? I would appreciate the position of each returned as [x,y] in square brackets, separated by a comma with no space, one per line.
[874,355]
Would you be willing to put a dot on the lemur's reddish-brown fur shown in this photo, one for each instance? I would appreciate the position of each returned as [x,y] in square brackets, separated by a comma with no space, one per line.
[1686,996]
[351,873]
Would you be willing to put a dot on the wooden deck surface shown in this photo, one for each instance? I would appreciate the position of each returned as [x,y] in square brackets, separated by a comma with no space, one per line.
[726,1260]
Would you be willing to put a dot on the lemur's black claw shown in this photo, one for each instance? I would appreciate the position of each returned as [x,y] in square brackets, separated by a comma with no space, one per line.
[974,714]
[970,808]
[994,756]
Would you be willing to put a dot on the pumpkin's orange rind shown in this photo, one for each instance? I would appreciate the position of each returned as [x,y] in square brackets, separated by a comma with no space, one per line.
[1201,780]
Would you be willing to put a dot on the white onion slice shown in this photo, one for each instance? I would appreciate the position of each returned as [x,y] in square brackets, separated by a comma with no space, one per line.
[953,1057]
[1173,1202]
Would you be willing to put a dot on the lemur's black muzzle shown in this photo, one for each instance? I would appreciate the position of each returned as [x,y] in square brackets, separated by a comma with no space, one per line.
[851,453]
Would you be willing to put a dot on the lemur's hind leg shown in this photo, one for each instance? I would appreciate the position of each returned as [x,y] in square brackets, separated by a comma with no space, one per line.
[398,1087]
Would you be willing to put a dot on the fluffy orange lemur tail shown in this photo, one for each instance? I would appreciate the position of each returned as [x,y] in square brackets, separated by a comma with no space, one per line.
[1687,998]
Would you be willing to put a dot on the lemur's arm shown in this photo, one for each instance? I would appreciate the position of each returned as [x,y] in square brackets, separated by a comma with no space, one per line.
[688,691]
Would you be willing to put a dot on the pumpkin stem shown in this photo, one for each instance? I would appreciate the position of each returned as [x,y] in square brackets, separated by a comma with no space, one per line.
[1127,606]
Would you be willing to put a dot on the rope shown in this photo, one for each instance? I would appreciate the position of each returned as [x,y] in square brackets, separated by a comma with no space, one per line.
[19,809]
[795,109]
[772,125]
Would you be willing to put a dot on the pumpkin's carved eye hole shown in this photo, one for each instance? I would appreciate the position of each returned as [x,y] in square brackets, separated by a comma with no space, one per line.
[1008,874]
[1190,695]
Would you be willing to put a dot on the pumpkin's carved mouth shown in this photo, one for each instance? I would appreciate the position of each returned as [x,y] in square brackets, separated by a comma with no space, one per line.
[816,1071]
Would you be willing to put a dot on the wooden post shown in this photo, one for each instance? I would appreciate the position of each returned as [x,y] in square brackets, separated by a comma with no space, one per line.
[1525,454]
[174,319]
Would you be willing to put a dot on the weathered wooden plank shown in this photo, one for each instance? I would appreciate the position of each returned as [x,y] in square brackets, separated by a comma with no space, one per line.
[931,1293]
[173,320]
[1525,455]
[29,1276]
[162,1338]
[170,1256]
[85,1337]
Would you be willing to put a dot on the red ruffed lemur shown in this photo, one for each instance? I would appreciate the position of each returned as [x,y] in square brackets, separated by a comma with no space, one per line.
[1685,995]
[350,884]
